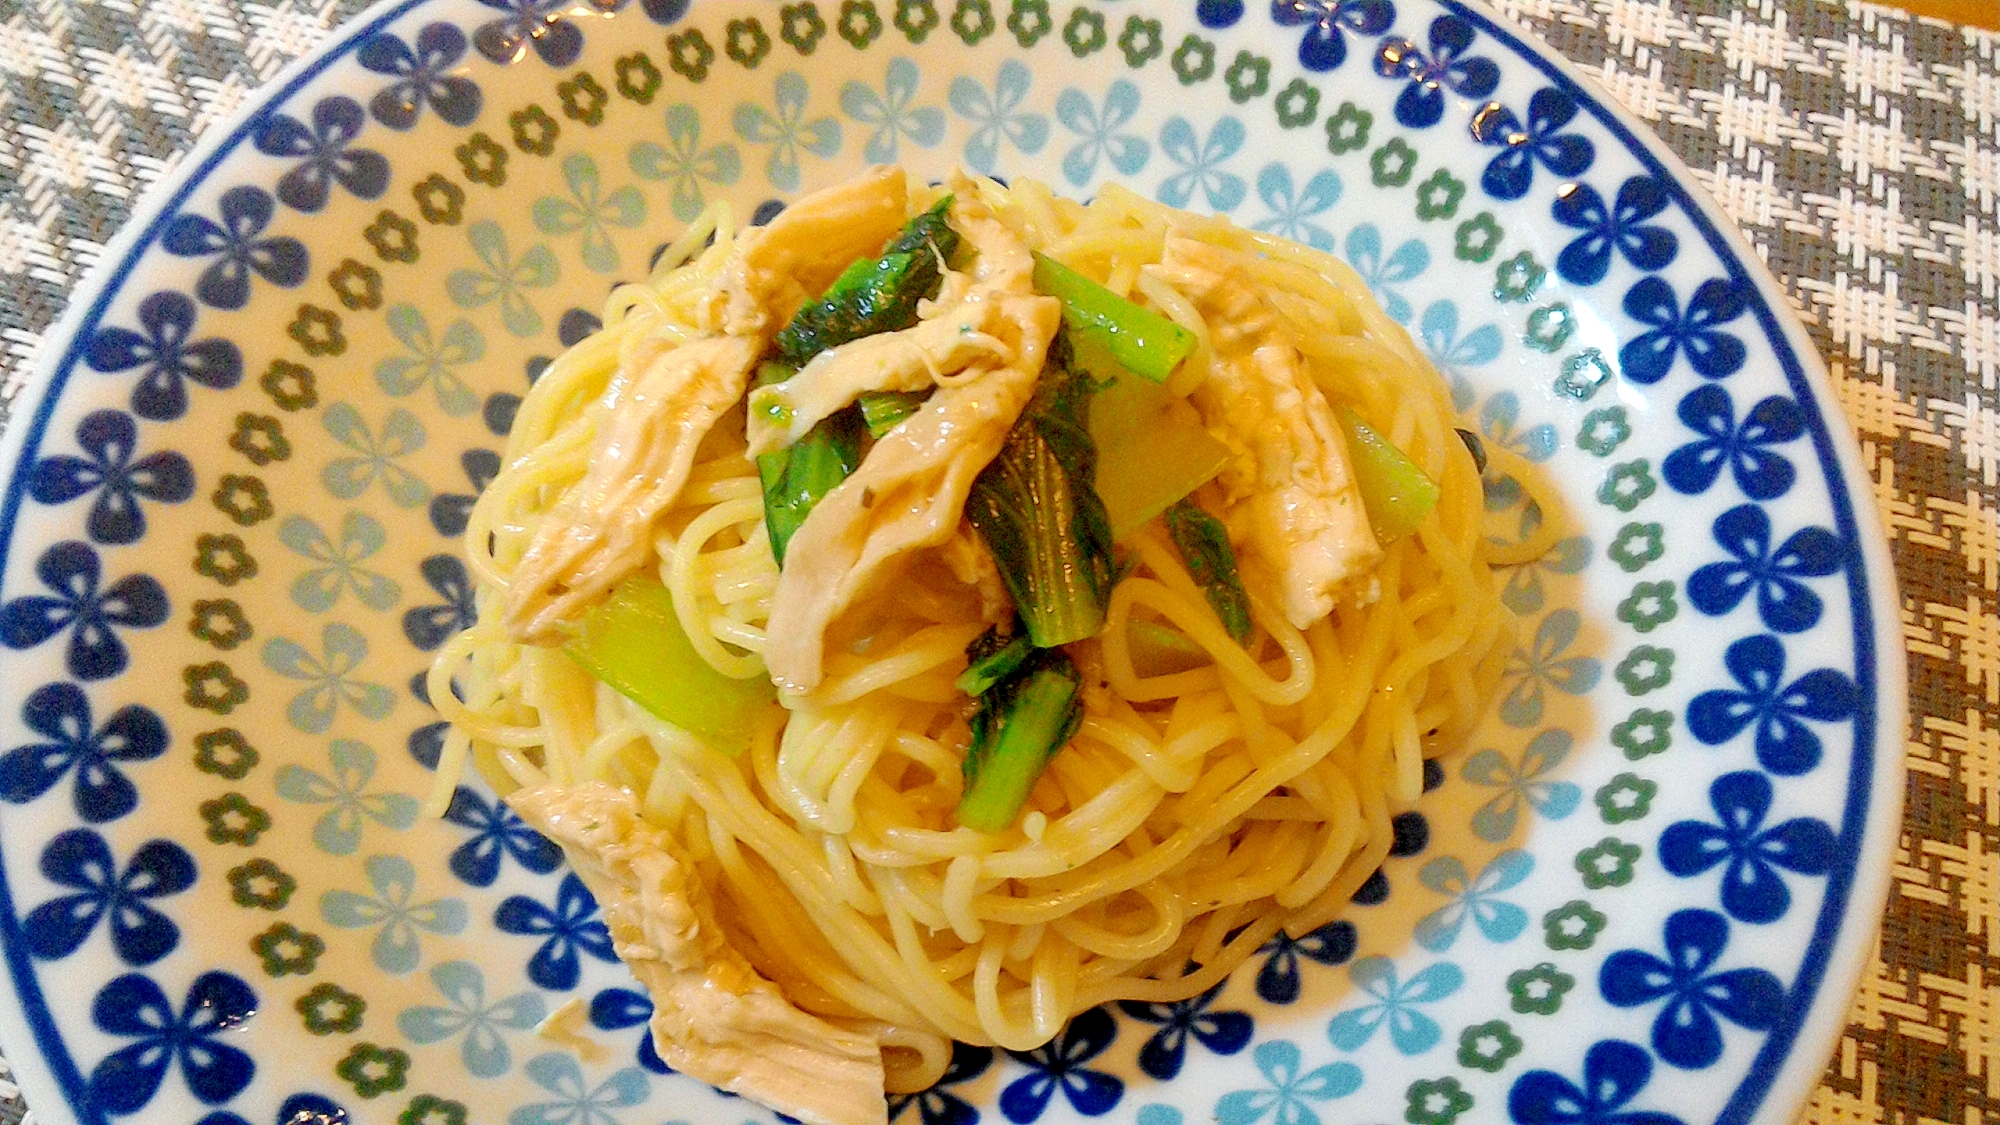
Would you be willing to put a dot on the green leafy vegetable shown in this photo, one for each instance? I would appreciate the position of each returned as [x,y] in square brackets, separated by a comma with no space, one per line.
[1159,649]
[1020,724]
[1151,450]
[1204,546]
[874,296]
[634,642]
[1141,340]
[1036,506]
[990,657]
[797,478]
[1397,494]
[885,410]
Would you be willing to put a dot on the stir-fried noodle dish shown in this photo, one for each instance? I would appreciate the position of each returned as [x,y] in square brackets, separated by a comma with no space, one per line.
[949,607]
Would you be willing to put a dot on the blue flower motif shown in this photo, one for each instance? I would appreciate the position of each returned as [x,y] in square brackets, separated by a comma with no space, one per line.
[80,858]
[423,77]
[571,926]
[1447,66]
[1614,1072]
[1523,593]
[1225,1033]
[71,571]
[161,347]
[616,1009]
[683,163]
[496,833]
[396,948]
[1752,889]
[1761,472]
[318,589]
[787,131]
[1686,1033]
[1278,981]
[375,459]
[1473,898]
[467,1013]
[1521,784]
[1713,353]
[1622,227]
[665,12]
[1533,669]
[450,511]
[1098,128]
[503,278]
[429,626]
[225,284]
[1292,1089]
[892,113]
[1292,211]
[430,360]
[546,25]
[576,1102]
[937,1106]
[60,712]
[1777,710]
[1411,1031]
[299,1109]
[1542,140]
[133,1007]
[588,211]
[1785,604]
[997,115]
[1059,1064]
[342,649]
[109,438]
[1327,23]
[1497,420]
[1364,253]
[338,831]
[1451,354]
[1218,14]
[1201,163]
[327,155]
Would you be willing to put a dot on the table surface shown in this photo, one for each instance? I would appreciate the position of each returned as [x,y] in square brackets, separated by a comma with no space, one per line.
[1858,148]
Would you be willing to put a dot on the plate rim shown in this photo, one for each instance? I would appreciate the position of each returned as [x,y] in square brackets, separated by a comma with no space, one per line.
[1782,1073]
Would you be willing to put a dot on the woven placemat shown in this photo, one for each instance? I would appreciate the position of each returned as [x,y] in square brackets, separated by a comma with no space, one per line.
[1858,149]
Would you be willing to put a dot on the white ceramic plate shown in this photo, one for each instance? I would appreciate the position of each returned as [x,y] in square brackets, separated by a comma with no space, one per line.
[1642,895]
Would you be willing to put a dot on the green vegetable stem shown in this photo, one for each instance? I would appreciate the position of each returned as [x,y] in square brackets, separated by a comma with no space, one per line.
[1204,547]
[1397,494]
[1020,724]
[1141,340]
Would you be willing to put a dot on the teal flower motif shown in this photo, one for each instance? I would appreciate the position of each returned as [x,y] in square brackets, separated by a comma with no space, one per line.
[504,278]
[997,115]
[338,831]
[467,1013]
[892,113]
[349,477]
[587,211]
[1364,253]
[1411,1031]
[1523,592]
[1532,671]
[430,360]
[787,132]
[1521,784]
[1500,421]
[396,948]
[326,676]
[1098,129]
[1452,353]
[1473,898]
[1292,210]
[1201,164]
[683,163]
[577,1104]
[318,589]
[1289,1097]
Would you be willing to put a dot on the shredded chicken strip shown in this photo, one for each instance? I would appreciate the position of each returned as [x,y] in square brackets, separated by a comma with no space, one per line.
[666,396]
[715,1018]
[1292,494]
[910,490]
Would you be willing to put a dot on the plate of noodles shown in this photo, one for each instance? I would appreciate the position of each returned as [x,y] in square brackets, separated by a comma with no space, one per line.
[939,561]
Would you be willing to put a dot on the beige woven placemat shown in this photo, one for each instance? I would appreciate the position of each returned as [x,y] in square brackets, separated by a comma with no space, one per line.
[1858,149]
